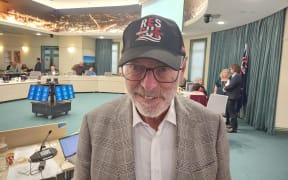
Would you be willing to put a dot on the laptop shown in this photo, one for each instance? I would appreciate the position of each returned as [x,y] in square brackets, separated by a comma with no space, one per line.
[69,147]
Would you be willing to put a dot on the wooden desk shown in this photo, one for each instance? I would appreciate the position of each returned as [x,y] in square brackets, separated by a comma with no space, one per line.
[35,135]
[15,90]
[111,84]
[65,166]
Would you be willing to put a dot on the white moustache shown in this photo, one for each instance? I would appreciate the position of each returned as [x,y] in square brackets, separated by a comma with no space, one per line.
[151,94]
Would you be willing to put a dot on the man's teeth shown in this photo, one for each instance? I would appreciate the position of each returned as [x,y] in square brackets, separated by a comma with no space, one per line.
[148,97]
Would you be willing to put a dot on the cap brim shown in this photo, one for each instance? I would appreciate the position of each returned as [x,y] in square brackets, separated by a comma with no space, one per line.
[150,52]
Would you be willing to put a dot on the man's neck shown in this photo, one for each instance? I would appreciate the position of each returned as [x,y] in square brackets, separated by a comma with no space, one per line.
[154,122]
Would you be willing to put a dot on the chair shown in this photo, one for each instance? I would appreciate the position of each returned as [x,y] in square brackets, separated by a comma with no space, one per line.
[217,103]
[35,75]
[107,73]
[199,98]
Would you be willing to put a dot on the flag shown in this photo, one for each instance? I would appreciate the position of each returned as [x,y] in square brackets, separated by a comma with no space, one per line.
[244,72]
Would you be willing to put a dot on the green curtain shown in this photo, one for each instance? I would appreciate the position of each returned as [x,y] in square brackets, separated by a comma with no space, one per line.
[264,46]
[103,56]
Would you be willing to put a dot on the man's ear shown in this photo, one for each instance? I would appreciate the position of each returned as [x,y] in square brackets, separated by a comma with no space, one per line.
[183,64]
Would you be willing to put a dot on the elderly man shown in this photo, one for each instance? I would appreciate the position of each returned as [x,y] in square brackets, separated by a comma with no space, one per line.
[151,133]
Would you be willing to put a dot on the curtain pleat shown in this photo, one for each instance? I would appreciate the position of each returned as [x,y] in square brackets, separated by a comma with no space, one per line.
[264,41]
[103,56]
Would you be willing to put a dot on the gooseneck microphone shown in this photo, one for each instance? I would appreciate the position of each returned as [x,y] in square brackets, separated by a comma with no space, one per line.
[44,153]
[43,142]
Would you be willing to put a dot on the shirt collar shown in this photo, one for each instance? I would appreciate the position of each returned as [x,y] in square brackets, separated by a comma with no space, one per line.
[170,116]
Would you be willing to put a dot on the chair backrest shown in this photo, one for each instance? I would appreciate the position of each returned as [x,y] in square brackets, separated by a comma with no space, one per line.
[199,98]
[107,73]
[35,75]
[217,103]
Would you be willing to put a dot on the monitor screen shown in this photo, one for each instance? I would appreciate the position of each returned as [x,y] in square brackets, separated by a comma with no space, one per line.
[38,93]
[69,145]
[64,92]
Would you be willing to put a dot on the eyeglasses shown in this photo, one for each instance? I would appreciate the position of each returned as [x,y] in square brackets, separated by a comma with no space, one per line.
[163,74]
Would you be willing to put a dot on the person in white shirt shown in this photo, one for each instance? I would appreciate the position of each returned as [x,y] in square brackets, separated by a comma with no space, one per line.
[151,133]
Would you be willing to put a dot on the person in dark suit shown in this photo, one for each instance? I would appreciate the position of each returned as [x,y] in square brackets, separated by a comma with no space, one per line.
[53,71]
[233,90]
[151,132]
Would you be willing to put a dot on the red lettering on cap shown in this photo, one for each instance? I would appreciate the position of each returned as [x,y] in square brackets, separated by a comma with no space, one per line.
[150,22]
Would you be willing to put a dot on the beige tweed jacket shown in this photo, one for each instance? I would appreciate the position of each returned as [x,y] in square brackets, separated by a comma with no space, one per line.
[105,149]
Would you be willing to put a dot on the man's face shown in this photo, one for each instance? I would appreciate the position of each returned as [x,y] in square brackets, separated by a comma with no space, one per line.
[150,97]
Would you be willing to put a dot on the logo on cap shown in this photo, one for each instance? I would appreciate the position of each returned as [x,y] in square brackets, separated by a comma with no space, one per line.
[150,30]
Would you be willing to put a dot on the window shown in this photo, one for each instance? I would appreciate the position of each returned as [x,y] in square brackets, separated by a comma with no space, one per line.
[115,57]
[197,59]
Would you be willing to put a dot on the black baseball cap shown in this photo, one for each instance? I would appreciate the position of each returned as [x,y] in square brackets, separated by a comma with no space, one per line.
[153,37]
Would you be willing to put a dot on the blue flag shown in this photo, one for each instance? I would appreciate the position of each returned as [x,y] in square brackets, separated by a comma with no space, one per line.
[244,72]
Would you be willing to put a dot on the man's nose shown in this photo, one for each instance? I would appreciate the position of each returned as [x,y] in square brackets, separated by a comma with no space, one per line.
[149,82]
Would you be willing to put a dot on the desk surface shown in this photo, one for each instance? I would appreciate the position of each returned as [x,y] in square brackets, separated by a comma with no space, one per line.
[59,159]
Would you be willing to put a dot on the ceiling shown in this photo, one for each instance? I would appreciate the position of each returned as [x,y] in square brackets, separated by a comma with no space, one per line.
[233,12]
[66,4]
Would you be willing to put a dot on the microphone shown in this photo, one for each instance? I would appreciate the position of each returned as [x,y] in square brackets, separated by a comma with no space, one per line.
[44,154]
[43,142]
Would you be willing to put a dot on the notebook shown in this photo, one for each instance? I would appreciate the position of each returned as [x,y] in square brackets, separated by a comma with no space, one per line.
[69,147]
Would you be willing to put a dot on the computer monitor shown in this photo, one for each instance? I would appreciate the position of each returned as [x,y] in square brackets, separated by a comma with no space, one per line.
[189,86]
[69,145]
[38,93]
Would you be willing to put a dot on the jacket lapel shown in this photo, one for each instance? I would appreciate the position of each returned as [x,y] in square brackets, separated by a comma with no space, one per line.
[186,129]
[124,136]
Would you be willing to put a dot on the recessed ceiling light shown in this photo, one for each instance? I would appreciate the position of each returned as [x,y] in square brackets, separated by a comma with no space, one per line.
[38,34]
[101,37]
[220,22]
[1,34]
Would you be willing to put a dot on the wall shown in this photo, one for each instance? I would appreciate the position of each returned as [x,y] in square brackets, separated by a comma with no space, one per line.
[14,42]
[282,99]
[88,46]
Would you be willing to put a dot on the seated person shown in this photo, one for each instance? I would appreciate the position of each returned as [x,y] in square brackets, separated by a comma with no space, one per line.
[91,72]
[10,64]
[202,88]
[197,95]
[53,71]
[15,67]
[24,68]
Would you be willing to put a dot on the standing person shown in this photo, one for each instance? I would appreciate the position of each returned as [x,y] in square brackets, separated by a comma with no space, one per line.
[218,89]
[38,66]
[233,90]
[152,133]
[79,69]
[221,81]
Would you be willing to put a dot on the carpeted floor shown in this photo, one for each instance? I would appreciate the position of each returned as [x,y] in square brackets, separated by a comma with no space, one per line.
[254,155]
